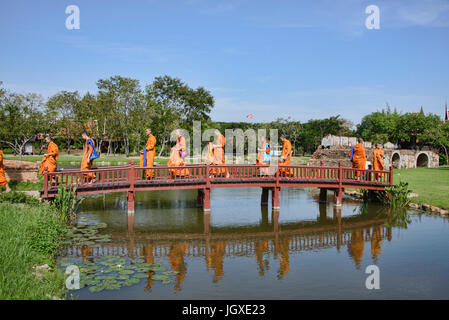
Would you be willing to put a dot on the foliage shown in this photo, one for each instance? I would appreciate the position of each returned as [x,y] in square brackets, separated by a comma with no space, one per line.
[66,203]
[18,197]
[398,218]
[398,195]
[29,236]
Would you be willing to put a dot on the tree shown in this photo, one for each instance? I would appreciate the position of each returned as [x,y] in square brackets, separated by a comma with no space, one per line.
[176,105]
[122,97]
[437,136]
[21,119]
[379,127]
[62,110]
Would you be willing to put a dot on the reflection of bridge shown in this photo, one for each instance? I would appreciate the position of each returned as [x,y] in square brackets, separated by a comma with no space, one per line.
[204,177]
[279,242]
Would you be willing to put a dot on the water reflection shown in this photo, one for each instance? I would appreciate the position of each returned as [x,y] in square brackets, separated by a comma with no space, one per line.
[265,241]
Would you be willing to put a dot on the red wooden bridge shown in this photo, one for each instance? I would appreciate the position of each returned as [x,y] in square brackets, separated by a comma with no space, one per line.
[204,177]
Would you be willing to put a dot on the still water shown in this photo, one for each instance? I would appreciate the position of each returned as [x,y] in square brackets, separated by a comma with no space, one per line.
[245,251]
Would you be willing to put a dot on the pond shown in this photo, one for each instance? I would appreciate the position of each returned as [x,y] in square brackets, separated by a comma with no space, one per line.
[170,249]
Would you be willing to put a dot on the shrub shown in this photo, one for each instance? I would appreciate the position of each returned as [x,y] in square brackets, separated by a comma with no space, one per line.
[65,203]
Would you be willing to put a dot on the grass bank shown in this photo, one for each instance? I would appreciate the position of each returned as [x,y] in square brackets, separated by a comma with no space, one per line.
[30,234]
[431,184]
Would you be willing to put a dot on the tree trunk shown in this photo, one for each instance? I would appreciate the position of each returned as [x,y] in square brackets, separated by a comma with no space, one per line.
[162,148]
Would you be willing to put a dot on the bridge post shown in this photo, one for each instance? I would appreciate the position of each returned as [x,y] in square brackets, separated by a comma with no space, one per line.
[206,223]
[275,198]
[337,196]
[390,176]
[264,197]
[131,175]
[323,195]
[200,198]
[206,199]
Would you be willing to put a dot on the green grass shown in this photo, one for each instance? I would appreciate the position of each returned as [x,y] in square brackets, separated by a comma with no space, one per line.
[29,236]
[76,159]
[431,184]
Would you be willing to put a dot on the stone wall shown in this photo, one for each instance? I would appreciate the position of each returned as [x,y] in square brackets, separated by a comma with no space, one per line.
[21,170]
[399,158]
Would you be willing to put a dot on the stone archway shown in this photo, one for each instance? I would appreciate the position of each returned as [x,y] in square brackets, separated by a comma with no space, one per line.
[422,160]
[396,160]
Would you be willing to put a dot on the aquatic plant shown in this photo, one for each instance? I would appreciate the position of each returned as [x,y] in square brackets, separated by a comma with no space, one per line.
[66,203]
[398,218]
[396,195]
[114,272]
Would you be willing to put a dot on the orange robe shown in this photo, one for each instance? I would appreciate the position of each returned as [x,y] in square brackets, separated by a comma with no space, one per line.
[176,160]
[210,154]
[359,158]
[219,155]
[286,154]
[151,153]
[86,164]
[3,180]
[376,242]
[177,263]
[50,159]
[357,245]
[260,157]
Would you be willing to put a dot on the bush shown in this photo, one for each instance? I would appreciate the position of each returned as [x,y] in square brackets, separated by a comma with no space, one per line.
[65,203]
[18,197]
[398,195]
[443,160]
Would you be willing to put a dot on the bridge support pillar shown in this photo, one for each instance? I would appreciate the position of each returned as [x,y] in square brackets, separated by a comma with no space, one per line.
[130,202]
[264,197]
[323,195]
[206,200]
[200,198]
[275,205]
[337,196]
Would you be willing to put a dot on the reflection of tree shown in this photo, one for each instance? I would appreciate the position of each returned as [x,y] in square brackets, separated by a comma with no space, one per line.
[261,248]
[176,261]
[356,247]
[376,242]
[215,259]
[284,259]
[398,218]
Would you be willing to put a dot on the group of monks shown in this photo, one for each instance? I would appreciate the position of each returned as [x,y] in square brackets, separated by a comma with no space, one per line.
[359,159]
[215,156]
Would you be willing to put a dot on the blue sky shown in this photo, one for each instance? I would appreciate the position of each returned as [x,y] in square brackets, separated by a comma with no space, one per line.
[303,59]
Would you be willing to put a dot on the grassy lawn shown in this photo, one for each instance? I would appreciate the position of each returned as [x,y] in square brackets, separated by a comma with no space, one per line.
[29,236]
[64,159]
[432,185]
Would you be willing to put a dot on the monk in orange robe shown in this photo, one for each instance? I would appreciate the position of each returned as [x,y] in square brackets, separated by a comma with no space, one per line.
[86,164]
[378,162]
[3,181]
[148,154]
[264,156]
[285,157]
[209,158]
[178,153]
[376,242]
[358,157]
[219,154]
[50,157]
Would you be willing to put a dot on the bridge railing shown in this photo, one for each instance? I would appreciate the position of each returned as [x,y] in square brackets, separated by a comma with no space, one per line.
[129,175]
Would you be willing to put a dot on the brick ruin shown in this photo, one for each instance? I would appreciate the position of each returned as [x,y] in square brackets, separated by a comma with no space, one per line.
[21,170]
[334,149]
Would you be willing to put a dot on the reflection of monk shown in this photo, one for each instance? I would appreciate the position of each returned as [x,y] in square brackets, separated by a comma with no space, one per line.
[215,259]
[284,259]
[86,251]
[178,153]
[149,258]
[356,247]
[376,242]
[176,261]
[261,248]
